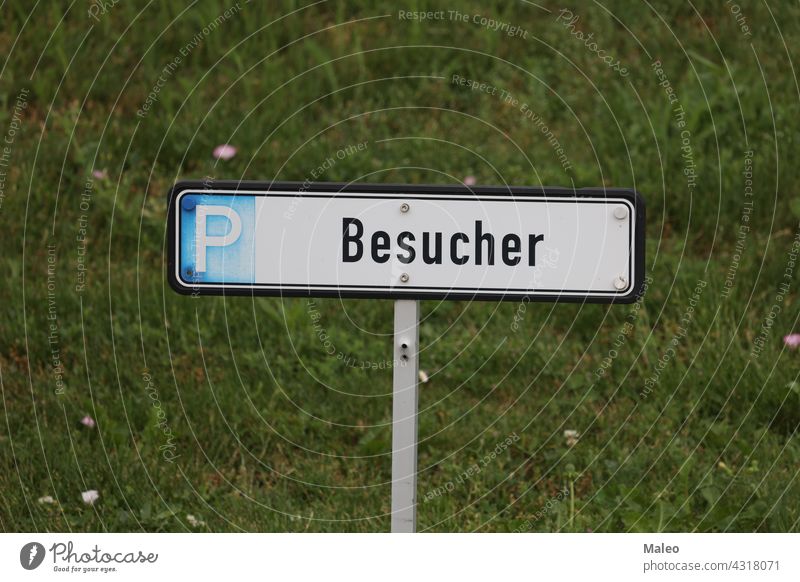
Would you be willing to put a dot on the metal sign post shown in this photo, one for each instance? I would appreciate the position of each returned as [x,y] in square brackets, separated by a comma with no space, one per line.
[404,416]
[406,242]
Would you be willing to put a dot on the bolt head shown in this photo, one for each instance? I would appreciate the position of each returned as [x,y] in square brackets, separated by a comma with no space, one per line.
[620,283]
[404,277]
[404,207]
[620,213]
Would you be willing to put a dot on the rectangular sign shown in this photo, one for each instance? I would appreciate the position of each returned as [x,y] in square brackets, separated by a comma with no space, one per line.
[402,241]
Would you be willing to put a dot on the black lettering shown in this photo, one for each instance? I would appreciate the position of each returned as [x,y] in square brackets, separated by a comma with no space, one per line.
[511,245]
[382,248]
[410,252]
[347,238]
[480,237]
[436,258]
[454,248]
[380,242]
[533,240]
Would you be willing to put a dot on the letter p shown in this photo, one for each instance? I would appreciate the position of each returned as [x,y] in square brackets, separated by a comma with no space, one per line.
[203,240]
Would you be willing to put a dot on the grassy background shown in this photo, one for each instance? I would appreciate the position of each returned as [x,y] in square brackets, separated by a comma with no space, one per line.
[272,433]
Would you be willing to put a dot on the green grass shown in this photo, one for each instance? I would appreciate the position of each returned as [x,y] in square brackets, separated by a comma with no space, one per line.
[272,433]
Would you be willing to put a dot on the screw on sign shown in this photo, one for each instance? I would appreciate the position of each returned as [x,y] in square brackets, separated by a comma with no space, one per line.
[446,243]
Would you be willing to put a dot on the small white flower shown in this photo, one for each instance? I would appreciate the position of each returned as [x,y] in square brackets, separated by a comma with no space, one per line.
[423,376]
[194,522]
[224,151]
[90,496]
[47,500]
[571,437]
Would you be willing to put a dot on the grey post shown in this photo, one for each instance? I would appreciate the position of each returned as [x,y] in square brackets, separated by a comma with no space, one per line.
[404,416]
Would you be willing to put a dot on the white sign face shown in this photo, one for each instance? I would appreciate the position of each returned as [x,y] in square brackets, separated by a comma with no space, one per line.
[406,242]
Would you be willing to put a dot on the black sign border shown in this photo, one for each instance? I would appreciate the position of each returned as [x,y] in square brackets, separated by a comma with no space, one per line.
[433,190]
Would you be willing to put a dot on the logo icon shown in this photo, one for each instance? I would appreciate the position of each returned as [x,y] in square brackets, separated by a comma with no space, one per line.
[31,555]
